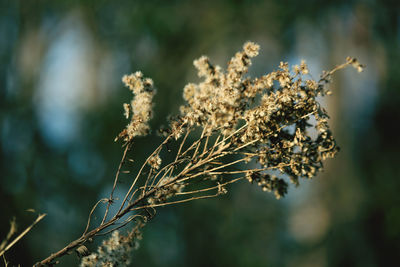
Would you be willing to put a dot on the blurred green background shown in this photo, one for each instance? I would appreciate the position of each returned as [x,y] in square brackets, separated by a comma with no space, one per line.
[61,96]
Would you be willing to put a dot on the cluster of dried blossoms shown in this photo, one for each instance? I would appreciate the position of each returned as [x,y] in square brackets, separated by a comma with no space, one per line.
[260,122]
[115,251]
[140,109]
[248,127]
[231,128]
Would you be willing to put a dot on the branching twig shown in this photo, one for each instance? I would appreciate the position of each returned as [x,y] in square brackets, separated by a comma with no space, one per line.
[21,235]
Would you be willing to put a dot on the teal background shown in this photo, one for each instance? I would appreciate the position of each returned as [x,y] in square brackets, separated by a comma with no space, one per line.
[61,96]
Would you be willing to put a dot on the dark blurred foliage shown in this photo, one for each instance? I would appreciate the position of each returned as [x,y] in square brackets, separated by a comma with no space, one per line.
[61,107]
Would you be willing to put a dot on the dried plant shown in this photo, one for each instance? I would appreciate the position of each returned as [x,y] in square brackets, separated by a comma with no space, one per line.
[7,244]
[231,128]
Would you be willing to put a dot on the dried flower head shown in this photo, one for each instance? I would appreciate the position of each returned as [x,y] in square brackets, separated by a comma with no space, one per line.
[116,250]
[140,108]
[154,161]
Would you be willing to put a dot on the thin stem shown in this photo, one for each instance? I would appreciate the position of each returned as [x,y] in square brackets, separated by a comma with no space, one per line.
[176,202]
[172,165]
[199,143]
[104,200]
[21,235]
[147,180]
[210,188]
[131,218]
[115,181]
[140,171]
[208,171]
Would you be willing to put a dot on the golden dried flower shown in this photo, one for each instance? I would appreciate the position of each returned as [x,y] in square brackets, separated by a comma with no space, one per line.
[140,108]
[251,49]
[154,162]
